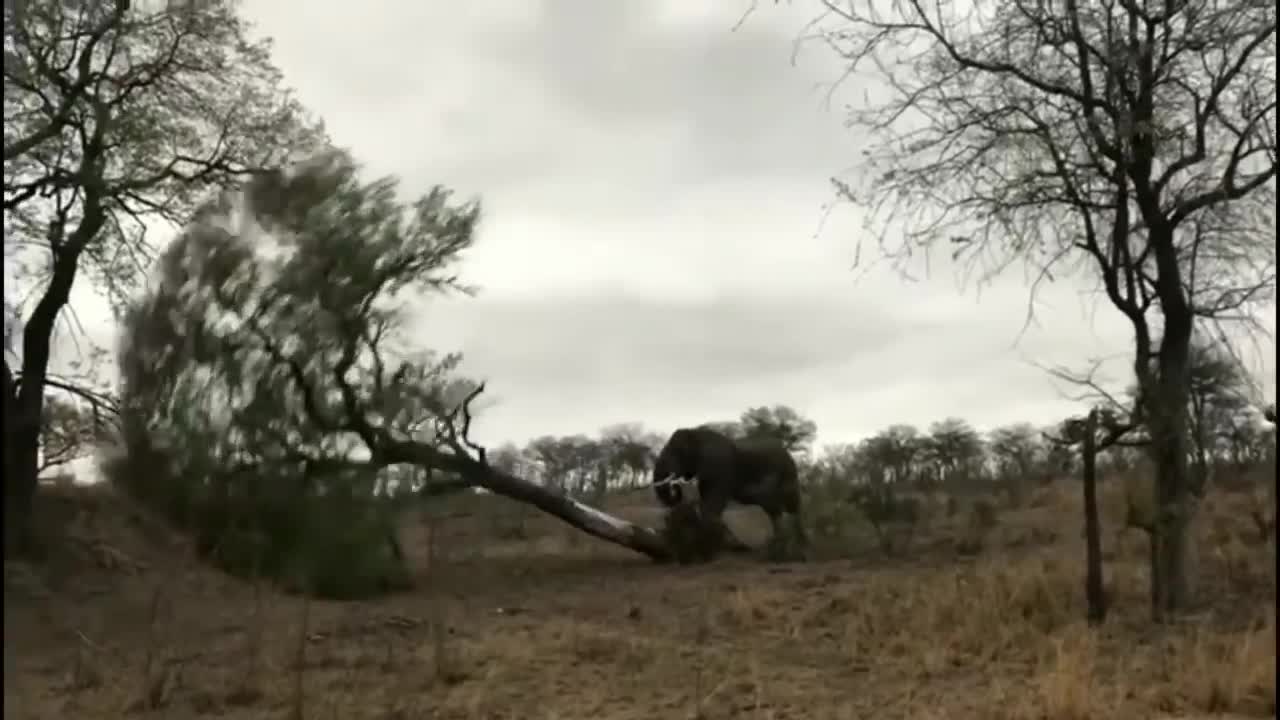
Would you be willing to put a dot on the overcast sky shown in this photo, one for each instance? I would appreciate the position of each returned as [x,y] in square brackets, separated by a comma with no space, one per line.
[654,247]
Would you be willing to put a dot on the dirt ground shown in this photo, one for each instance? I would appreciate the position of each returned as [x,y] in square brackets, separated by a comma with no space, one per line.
[121,623]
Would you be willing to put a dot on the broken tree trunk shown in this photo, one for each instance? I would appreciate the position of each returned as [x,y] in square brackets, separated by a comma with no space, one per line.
[641,539]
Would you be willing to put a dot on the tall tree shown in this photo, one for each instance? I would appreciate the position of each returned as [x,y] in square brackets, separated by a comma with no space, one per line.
[1135,139]
[117,116]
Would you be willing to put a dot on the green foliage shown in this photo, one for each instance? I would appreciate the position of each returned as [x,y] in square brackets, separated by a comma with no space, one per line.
[331,537]
[344,552]
[263,373]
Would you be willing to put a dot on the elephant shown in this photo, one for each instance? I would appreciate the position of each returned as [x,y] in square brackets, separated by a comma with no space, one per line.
[751,471]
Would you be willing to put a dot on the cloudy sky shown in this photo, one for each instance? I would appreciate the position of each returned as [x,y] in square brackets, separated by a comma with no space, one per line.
[657,245]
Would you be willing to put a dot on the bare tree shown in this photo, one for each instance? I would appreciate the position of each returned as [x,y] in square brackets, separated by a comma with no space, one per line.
[273,344]
[116,115]
[1132,140]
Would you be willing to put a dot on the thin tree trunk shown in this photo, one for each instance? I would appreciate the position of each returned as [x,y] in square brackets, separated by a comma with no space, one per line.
[1095,596]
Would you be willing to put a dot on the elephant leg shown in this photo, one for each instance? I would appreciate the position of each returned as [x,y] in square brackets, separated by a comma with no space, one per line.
[779,547]
[775,525]
[789,539]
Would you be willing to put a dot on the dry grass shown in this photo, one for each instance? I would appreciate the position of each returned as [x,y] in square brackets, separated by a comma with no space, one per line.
[538,629]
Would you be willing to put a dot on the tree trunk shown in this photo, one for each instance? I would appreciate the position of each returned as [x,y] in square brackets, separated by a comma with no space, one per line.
[646,541]
[22,415]
[19,469]
[22,431]
[1175,503]
[1095,595]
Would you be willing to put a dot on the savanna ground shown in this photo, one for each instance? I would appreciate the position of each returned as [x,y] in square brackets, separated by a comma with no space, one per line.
[517,616]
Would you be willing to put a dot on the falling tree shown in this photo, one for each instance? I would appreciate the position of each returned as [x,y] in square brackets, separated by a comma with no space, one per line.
[271,351]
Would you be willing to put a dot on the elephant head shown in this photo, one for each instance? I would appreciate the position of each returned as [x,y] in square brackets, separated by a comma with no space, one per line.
[678,460]
[689,452]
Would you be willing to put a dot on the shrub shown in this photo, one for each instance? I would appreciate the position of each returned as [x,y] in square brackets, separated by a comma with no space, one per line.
[983,518]
[827,515]
[345,553]
[983,515]
[333,539]
[888,510]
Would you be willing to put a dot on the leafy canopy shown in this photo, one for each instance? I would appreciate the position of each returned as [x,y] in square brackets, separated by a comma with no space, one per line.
[274,333]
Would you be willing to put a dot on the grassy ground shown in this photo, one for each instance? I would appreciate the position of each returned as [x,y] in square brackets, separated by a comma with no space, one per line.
[120,623]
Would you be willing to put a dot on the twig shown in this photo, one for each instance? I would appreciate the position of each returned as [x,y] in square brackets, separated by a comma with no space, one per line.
[743,18]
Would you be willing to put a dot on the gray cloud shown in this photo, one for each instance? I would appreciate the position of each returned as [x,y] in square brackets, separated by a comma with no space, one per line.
[575,364]
[729,101]
[563,99]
